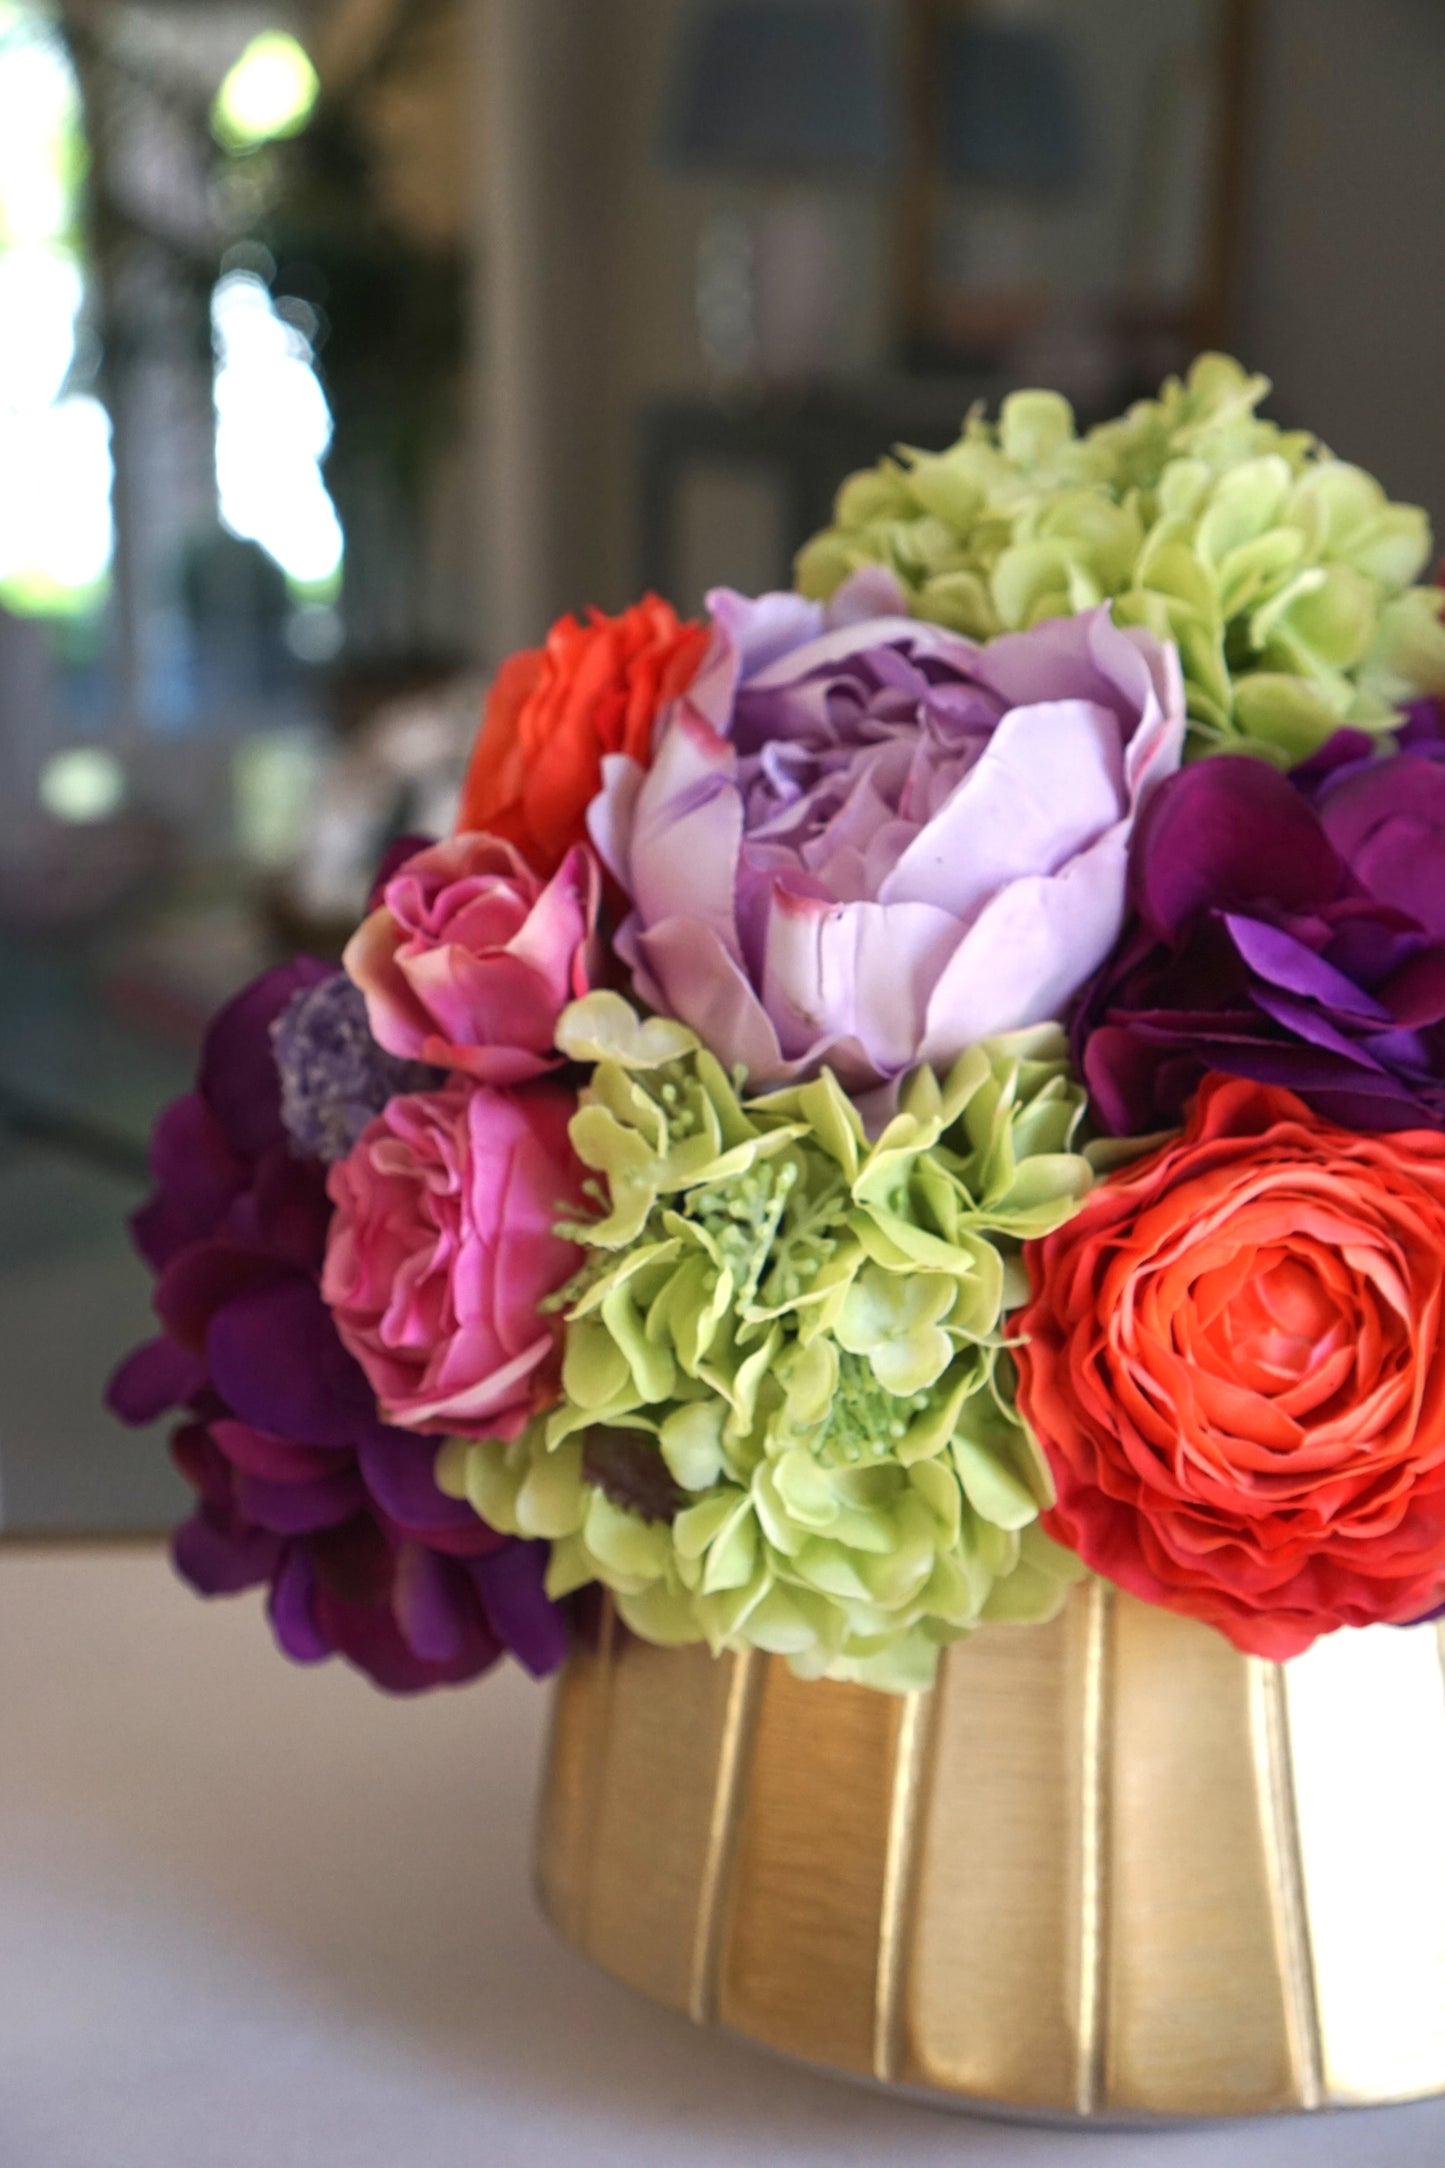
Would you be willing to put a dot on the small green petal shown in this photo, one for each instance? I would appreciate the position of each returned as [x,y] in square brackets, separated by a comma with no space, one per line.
[691,1442]
[603,1027]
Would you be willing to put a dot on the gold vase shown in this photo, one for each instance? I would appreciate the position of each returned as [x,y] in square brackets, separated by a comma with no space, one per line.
[1106,1867]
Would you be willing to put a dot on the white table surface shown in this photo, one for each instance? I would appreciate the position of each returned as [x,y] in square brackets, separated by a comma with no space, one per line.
[254,1917]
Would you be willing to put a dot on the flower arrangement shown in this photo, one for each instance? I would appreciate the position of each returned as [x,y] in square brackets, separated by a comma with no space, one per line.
[894,1098]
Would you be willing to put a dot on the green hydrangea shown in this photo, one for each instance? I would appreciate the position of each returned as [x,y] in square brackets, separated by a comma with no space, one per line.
[788,1413]
[1283,574]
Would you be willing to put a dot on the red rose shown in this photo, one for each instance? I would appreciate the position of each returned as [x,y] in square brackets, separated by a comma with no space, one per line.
[1234,1361]
[554,711]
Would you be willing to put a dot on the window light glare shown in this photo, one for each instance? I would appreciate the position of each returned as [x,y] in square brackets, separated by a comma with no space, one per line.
[269,92]
[273,426]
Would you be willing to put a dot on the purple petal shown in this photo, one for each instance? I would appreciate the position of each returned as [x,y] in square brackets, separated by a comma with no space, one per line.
[694,976]
[1276,956]
[275,1460]
[1341,754]
[293,1609]
[855,970]
[1301,1020]
[429,1599]
[871,591]
[373,1642]
[157,1376]
[238,1078]
[290,1212]
[523,1616]
[1423,730]
[1415,995]
[1048,784]
[217,1562]
[1387,822]
[299,1509]
[396,1466]
[202,1279]
[1022,958]
[1223,834]
[687,831]
[277,1362]
[748,634]
[198,1175]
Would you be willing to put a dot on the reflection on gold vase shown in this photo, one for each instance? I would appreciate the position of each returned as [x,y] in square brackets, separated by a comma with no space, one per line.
[1106,1868]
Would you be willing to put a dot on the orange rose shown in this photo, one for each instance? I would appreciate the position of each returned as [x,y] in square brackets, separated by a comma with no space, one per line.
[1234,1361]
[554,711]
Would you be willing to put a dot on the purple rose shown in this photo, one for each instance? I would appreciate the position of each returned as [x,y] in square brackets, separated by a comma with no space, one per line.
[300,1484]
[868,842]
[1289,929]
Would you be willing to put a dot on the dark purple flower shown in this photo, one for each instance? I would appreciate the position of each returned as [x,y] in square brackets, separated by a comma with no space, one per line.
[1291,934]
[300,1485]
[1387,821]
[334,1077]
[1423,730]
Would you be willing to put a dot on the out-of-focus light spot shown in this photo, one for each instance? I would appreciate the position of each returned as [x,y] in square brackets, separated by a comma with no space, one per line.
[272,430]
[41,147]
[82,785]
[40,291]
[55,467]
[55,523]
[268,93]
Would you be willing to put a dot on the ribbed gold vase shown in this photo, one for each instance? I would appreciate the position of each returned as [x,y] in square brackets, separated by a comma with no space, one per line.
[1106,1867]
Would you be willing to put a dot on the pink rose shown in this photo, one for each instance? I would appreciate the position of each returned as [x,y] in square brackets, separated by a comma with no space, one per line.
[471,956]
[443,1248]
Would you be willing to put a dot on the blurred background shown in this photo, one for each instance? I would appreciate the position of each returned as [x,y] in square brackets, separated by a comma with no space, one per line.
[345,344]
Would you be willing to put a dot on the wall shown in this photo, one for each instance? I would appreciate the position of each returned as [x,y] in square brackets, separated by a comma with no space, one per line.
[1345,296]
[586,294]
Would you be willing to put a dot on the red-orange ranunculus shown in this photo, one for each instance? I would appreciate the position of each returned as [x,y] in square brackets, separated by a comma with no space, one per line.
[554,711]
[1234,1361]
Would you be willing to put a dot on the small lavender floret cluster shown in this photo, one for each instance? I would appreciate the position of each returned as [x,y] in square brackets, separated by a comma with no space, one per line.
[334,1077]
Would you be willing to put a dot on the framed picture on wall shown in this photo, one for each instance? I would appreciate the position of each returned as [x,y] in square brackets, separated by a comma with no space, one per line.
[1071,176]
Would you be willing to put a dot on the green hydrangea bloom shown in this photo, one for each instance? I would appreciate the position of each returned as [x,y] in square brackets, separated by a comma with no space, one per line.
[788,1413]
[1283,574]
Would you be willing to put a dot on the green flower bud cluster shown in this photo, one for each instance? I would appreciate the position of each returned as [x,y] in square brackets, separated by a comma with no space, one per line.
[1283,574]
[788,1414]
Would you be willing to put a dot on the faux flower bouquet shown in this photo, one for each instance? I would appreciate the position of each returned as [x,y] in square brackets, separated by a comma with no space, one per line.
[893,1098]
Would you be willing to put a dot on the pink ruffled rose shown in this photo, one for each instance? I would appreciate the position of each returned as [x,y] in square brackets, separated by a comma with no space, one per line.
[867,842]
[443,1247]
[471,957]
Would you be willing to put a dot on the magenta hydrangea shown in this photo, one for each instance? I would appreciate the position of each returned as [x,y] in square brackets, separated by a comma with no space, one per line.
[301,1487]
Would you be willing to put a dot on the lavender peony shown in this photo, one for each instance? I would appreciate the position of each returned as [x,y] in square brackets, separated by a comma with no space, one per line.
[1290,930]
[300,1484]
[868,842]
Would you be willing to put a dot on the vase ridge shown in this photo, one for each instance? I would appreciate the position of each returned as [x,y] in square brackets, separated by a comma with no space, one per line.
[1107,1867]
